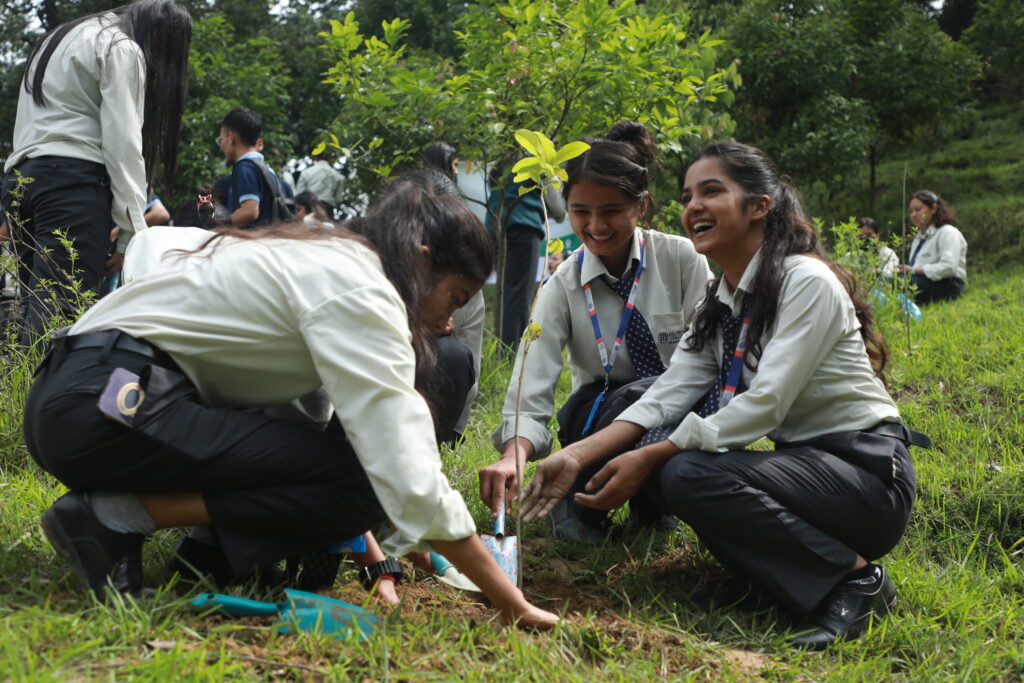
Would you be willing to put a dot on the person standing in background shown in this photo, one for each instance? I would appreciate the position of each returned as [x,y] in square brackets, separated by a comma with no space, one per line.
[324,181]
[251,199]
[523,218]
[99,112]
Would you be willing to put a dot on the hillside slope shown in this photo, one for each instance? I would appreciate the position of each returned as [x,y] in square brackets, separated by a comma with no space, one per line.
[982,177]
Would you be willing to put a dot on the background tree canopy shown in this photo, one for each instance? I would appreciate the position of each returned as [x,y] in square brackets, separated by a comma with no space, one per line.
[825,86]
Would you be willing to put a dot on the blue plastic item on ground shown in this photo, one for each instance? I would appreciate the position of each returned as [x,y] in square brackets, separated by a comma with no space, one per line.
[302,611]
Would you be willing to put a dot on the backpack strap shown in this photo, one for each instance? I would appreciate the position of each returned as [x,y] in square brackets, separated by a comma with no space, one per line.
[281,206]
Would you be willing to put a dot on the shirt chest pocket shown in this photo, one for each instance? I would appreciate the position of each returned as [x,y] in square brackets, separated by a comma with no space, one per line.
[667,328]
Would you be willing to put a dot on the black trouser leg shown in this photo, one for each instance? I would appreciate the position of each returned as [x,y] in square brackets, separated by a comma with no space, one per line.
[792,521]
[69,198]
[572,420]
[522,251]
[272,488]
[929,291]
[455,377]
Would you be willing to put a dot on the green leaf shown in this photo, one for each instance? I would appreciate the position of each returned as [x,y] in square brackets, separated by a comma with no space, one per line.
[523,165]
[527,139]
[319,149]
[571,151]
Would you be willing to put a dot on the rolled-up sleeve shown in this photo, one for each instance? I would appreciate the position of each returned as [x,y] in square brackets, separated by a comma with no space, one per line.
[814,313]
[544,366]
[123,94]
[360,345]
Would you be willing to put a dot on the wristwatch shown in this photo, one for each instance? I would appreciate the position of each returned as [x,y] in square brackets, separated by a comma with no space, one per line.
[369,575]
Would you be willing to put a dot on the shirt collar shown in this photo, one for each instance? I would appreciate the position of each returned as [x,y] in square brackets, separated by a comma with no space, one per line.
[733,298]
[594,268]
[251,155]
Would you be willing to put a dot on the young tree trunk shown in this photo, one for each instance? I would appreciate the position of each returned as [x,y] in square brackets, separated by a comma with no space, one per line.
[872,169]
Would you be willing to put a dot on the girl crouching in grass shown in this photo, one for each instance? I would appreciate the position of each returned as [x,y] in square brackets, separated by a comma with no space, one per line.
[786,346]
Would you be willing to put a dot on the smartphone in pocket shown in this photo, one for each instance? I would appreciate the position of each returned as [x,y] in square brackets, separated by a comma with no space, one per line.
[122,397]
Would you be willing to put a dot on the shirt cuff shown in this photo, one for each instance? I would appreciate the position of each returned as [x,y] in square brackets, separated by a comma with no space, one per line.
[247,197]
[531,430]
[696,433]
[452,522]
[647,414]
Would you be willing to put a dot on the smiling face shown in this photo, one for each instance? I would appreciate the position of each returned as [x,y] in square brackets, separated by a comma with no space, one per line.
[921,214]
[450,292]
[724,224]
[604,218]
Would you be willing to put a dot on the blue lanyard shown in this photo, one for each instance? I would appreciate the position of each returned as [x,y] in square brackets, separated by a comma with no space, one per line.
[736,367]
[608,361]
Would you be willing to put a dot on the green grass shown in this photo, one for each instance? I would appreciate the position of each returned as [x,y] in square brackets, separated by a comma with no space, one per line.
[650,606]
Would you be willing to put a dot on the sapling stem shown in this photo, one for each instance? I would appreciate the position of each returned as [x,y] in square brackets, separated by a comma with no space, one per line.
[527,341]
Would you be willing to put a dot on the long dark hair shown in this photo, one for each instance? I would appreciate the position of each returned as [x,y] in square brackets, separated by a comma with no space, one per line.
[441,155]
[422,208]
[163,31]
[311,203]
[621,160]
[787,231]
[943,214]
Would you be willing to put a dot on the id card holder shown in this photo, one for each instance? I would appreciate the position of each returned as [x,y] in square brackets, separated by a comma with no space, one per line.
[122,397]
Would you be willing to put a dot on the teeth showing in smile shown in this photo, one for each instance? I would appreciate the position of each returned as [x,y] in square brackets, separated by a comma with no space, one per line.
[701,226]
[602,238]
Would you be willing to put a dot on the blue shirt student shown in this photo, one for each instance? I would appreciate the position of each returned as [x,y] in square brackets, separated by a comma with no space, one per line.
[246,182]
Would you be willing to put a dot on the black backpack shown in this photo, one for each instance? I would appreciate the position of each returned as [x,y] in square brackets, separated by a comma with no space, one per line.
[282,208]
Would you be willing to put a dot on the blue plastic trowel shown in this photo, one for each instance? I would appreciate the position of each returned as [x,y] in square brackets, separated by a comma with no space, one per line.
[300,612]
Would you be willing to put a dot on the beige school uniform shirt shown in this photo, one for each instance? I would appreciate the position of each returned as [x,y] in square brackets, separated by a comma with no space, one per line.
[95,89]
[263,322]
[674,280]
[943,253]
[813,378]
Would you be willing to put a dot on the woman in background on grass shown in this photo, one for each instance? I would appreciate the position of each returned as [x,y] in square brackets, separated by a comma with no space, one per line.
[787,348]
[938,253]
[659,274]
[142,410]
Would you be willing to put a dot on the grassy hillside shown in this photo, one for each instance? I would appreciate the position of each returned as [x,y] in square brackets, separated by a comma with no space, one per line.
[980,173]
[642,606]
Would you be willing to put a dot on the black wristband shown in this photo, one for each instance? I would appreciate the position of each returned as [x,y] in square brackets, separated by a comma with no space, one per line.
[369,575]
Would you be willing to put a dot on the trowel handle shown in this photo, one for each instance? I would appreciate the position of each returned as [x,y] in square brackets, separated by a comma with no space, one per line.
[499,521]
[439,563]
[235,607]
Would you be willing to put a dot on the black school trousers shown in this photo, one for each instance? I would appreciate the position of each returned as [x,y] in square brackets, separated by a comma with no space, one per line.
[929,290]
[273,488]
[793,520]
[522,244]
[68,196]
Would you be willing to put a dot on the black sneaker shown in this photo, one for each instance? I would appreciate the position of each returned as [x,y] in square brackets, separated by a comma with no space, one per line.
[566,526]
[845,613]
[196,562]
[95,552]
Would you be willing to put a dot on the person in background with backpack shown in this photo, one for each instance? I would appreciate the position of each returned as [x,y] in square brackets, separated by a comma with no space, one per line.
[255,195]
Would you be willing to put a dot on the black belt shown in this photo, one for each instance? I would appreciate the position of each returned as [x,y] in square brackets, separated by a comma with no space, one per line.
[907,436]
[112,340]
